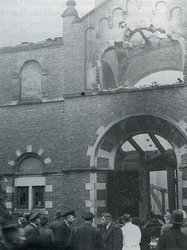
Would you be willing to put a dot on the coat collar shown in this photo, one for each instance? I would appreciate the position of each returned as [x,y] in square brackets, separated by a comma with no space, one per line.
[108,231]
[35,227]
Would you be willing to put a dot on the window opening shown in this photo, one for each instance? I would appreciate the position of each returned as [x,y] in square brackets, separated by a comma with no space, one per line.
[23,197]
[38,196]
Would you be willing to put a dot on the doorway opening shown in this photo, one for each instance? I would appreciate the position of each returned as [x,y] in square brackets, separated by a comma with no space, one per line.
[139,155]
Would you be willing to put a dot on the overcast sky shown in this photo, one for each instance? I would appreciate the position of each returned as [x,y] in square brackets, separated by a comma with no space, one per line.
[34,20]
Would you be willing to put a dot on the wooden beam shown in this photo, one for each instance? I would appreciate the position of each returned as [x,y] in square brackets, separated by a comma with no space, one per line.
[157,143]
[168,156]
[161,189]
[137,147]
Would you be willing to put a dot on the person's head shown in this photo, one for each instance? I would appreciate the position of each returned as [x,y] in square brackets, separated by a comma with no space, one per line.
[69,217]
[106,219]
[58,215]
[44,220]
[177,218]
[126,218]
[167,217]
[35,218]
[136,221]
[88,217]
[26,216]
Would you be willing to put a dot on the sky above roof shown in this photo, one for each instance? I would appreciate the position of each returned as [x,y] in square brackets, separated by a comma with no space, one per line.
[34,20]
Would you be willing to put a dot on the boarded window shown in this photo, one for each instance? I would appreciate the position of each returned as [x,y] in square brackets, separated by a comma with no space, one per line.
[31,77]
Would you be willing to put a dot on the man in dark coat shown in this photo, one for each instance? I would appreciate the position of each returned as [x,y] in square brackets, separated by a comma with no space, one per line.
[86,237]
[55,223]
[112,233]
[62,230]
[46,235]
[173,239]
[145,237]
[32,240]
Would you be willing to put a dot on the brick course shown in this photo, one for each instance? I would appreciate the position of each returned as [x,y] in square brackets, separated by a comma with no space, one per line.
[64,129]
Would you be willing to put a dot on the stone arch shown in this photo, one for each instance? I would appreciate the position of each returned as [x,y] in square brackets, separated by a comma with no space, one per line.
[116,18]
[159,3]
[29,163]
[111,137]
[127,5]
[152,67]
[31,80]
[149,122]
[28,152]
[174,10]
[103,26]
[97,61]
[110,45]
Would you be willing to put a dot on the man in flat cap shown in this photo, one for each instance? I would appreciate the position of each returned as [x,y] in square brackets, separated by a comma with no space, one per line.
[32,239]
[86,236]
[62,230]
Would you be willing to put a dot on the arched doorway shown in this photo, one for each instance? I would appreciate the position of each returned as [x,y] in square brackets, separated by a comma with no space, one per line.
[128,173]
[144,175]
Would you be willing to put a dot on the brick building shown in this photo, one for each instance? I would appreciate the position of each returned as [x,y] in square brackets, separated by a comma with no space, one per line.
[68,105]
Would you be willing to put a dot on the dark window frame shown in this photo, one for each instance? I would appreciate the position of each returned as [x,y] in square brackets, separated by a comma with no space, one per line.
[20,192]
[39,196]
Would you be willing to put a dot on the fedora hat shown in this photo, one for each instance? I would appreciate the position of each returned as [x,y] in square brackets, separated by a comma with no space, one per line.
[177,217]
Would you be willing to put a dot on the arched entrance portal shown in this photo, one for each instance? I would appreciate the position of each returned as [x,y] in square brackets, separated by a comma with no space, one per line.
[128,172]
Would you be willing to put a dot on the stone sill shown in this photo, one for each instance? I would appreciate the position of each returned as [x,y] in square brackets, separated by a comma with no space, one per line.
[122,90]
[58,172]
[32,102]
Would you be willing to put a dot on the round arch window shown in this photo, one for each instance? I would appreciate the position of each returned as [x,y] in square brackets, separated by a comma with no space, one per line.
[30,164]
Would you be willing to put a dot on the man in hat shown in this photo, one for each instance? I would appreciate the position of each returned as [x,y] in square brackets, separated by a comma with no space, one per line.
[62,230]
[112,233]
[32,240]
[173,238]
[86,236]
[46,235]
[55,223]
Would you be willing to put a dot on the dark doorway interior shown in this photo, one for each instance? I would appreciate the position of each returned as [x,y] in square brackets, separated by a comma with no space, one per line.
[122,193]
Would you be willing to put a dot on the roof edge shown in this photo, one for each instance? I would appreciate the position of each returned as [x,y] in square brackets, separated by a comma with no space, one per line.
[31,46]
[93,10]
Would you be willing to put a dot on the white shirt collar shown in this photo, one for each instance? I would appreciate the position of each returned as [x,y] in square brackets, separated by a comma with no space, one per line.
[108,226]
[66,223]
[33,224]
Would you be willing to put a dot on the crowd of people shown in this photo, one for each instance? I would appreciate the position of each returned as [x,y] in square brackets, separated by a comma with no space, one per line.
[33,232]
